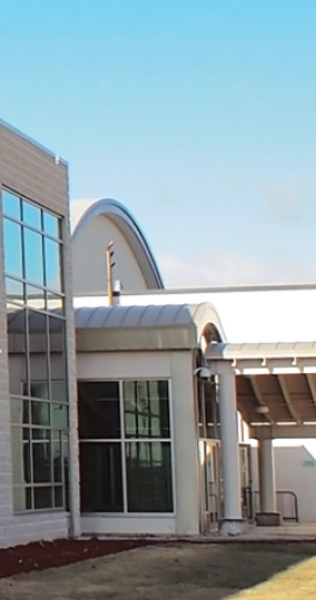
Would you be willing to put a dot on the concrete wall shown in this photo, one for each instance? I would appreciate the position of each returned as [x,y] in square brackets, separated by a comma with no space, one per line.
[89,259]
[32,172]
[295,470]
[176,366]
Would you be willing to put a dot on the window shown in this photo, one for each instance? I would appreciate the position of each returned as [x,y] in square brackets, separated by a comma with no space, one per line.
[208,410]
[37,353]
[125,446]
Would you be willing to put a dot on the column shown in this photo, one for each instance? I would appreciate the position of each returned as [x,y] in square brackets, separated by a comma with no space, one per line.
[268,515]
[232,522]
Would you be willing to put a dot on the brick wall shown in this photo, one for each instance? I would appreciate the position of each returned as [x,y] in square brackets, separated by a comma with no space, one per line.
[35,173]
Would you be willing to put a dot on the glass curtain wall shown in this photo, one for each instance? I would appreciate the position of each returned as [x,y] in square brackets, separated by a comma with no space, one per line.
[33,252]
[125,446]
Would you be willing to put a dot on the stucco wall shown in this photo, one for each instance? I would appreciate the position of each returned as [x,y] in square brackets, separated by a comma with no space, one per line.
[295,470]
[89,259]
[176,366]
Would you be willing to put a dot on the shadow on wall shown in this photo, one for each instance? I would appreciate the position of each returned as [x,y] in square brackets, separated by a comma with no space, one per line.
[295,471]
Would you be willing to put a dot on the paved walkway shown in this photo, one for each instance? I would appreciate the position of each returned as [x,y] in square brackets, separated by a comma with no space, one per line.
[291,532]
[288,532]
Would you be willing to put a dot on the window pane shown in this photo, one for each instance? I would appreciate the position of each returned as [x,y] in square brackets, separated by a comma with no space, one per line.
[158,389]
[65,443]
[57,456]
[40,413]
[43,497]
[99,410]
[14,290]
[41,453]
[101,479]
[31,214]
[211,411]
[59,416]
[22,498]
[21,457]
[51,225]
[35,297]
[149,481]
[12,238]
[52,265]
[11,205]
[57,357]
[58,497]
[20,411]
[54,303]
[38,354]
[146,413]
[58,391]
[39,389]
[33,256]
[16,329]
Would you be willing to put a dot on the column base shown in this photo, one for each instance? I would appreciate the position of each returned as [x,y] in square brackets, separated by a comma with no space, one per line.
[232,527]
[268,519]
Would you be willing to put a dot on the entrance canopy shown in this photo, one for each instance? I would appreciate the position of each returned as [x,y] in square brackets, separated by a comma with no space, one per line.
[129,328]
[275,385]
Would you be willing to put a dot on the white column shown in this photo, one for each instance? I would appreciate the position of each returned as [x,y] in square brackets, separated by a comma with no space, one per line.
[232,522]
[267,476]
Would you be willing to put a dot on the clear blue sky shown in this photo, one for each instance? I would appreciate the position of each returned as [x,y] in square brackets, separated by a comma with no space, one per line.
[198,115]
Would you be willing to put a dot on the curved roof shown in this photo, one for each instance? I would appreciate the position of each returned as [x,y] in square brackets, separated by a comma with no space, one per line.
[107,328]
[82,211]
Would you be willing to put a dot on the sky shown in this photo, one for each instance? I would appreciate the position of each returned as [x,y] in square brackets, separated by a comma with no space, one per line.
[198,115]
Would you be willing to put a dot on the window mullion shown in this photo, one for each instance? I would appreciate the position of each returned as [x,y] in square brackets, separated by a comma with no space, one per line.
[123,448]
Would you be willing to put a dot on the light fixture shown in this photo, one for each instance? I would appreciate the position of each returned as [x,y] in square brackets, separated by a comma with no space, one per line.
[262,410]
[202,373]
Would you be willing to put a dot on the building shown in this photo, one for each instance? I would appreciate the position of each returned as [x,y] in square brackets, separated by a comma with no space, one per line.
[123,419]
[264,375]
[38,386]
[104,221]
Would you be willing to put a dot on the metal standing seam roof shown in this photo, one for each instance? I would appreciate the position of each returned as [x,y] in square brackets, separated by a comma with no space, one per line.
[228,351]
[145,327]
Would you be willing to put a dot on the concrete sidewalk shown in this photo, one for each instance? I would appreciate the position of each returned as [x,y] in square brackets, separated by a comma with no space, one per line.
[289,532]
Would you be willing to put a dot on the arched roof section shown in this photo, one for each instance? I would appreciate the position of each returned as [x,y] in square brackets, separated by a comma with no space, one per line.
[83,211]
[163,327]
[208,322]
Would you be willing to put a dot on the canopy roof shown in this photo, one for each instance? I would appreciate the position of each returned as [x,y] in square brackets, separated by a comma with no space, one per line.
[275,383]
[121,328]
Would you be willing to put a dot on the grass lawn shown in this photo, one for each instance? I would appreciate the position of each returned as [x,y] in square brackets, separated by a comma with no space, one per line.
[178,572]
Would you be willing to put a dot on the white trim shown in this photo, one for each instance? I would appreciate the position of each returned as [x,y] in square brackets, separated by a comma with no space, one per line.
[133,524]
[172,444]
[123,449]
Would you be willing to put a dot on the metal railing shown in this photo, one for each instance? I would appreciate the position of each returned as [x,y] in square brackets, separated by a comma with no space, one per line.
[287,504]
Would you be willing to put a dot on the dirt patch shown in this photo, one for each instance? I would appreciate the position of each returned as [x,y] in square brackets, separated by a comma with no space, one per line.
[42,555]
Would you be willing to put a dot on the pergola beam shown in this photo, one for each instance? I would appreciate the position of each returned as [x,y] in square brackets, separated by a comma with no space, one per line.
[258,395]
[312,386]
[289,431]
[288,400]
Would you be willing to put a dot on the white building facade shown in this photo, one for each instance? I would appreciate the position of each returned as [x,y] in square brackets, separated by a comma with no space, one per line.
[124,419]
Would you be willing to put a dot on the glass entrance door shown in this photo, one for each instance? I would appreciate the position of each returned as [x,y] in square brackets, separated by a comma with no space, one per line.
[212,476]
[209,457]
[246,481]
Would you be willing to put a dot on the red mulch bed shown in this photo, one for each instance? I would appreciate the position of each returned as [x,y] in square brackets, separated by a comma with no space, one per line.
[42,555]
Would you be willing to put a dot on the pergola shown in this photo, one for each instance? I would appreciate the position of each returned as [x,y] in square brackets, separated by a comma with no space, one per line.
[273,385]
